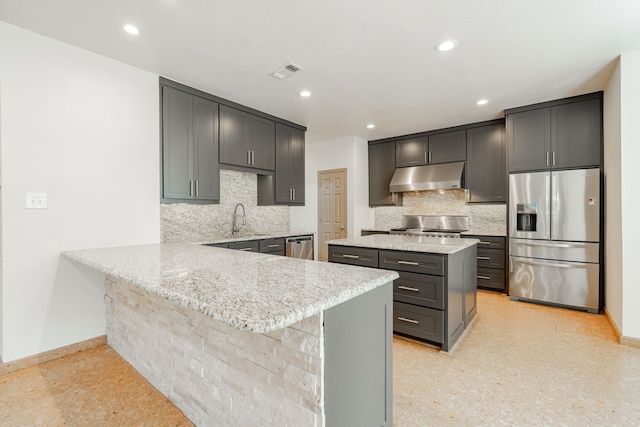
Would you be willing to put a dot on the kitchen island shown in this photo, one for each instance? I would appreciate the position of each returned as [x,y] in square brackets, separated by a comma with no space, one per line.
[434,299]
[236,338]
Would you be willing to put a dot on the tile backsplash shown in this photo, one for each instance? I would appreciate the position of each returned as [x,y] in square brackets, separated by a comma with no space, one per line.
[182,221]
[484,219]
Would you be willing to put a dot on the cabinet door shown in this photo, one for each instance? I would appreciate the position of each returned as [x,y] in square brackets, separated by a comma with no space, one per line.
[382,165]
[234,136]
[296,165]
[529,139]
[411,152]
[262,142]
[283,171]
[486,164]
[177,144]
[447,147]
[205,143]
[576,134]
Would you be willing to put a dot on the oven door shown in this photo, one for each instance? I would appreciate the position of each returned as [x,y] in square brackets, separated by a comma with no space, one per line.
[574,284]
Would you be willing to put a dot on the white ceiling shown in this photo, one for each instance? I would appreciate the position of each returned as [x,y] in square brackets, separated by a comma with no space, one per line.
[364,60]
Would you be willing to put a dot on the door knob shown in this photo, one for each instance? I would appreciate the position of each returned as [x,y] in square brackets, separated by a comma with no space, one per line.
[341,228]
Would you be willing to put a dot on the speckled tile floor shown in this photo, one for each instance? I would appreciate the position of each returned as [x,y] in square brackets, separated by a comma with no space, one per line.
[522,364]
[94,387]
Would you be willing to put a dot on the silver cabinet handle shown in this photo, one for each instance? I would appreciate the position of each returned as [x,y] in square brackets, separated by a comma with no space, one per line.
[483,277]
[248,157]
[197,189]
[429,156]
[273,246]
[190,188]
[245,249]
[404,319]
[426,160]
[484,243]
[407,262]
[484,257]
[547,159]
[407,288]
[294,194]
[553,161]
[253,157]
[350,256]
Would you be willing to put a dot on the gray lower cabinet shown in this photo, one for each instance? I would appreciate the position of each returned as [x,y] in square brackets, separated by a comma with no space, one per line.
[491,262]
[486,171]
[358,361]
[273,246]
[560,134]
[286,185]
[190,171]
[435,297]
[382,165]
[246,140]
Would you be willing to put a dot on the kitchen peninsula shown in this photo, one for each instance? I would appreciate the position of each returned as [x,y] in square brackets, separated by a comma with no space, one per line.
[434,299]
[237,338]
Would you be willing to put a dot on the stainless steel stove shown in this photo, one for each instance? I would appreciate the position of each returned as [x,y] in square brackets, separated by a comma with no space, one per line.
[447,226]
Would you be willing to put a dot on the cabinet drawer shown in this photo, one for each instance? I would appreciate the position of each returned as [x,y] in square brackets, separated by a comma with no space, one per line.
[355,256]
[272,245]
[419,289]
[491,258]
[490,279]
[488,242]
[217,245]
[413,262]
[419,322]
[249,246]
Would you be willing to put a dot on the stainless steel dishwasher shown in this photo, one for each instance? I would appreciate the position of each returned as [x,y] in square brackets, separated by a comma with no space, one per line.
[300,247]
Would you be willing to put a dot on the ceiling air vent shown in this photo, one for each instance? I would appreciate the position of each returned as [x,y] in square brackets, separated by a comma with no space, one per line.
[286,71]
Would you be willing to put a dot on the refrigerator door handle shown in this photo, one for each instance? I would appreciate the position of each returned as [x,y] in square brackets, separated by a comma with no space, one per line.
[547,245]
[545,264]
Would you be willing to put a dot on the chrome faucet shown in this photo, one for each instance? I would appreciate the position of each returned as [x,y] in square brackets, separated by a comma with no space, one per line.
[235,228]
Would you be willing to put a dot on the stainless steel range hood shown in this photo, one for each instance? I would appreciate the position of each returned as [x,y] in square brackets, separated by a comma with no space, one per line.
[444,176]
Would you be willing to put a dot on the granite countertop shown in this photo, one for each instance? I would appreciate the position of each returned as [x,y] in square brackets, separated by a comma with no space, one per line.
[437,245]
[250,291]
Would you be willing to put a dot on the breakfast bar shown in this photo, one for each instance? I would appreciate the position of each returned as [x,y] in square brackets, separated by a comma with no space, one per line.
[237,338]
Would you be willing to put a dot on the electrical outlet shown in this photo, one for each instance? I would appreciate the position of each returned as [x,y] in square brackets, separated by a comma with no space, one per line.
[36,200]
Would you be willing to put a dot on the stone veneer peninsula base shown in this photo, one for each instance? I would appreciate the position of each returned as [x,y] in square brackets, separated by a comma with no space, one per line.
[332,368]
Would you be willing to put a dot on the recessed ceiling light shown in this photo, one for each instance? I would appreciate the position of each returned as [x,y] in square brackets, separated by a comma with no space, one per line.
[482,102]
[305,94]
[370,126]
[131,29]
[446,45]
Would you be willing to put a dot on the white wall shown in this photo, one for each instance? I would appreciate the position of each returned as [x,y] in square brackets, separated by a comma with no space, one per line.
[630,158]
[347,152]
[83,129]
[614,238]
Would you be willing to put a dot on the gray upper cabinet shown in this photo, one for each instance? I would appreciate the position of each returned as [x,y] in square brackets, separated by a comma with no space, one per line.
[447,147]
[486,164]
[529,140]
[189,148]
[557,135]
[381,168]
[436,148]
[246,140]
[576,134]
[286,185]
[289,175]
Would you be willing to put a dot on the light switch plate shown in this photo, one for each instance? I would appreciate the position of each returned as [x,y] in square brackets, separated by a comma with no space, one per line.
[36,200]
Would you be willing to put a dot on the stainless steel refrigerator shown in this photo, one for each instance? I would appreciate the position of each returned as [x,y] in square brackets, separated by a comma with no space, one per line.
[554,237]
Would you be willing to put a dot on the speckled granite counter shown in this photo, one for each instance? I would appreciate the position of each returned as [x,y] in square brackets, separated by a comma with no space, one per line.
[239,338]
[245,237]
[408,243]
[249,291]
